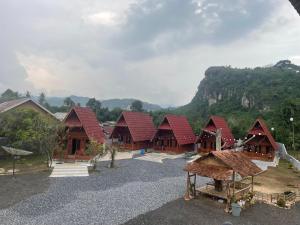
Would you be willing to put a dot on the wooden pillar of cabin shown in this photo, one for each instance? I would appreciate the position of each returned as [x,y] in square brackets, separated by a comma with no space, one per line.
[82,146]
[69,146]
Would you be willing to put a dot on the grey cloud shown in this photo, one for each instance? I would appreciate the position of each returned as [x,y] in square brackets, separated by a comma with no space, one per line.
[157,27]
[124,60]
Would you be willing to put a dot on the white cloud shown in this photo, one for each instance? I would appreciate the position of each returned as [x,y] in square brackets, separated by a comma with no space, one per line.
[105,18]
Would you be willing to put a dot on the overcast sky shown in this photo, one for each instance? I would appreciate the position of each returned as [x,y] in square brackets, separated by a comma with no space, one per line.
[154,50]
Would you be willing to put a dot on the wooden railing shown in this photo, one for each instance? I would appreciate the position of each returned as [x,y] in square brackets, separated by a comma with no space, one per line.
[273,198]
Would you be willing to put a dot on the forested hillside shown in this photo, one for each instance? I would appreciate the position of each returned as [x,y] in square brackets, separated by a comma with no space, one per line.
[241,95]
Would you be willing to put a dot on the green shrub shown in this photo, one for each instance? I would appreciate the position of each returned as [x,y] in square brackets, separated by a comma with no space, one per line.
[281,202]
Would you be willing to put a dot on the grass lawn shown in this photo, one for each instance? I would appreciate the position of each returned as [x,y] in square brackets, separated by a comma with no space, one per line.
[24,164]
[278,180]
[295,154]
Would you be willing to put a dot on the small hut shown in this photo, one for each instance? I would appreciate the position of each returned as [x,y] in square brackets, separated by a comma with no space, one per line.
[82,126]
[133,131]
[227,168]
[259,142]
[207,140]
[174,134]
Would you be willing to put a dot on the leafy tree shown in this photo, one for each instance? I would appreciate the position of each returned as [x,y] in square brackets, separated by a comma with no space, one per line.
[28,95]
[94,104]
[27,129]
[69,103]
[113,151]
[42,99]
[96,150]
[137,106]
[9,95]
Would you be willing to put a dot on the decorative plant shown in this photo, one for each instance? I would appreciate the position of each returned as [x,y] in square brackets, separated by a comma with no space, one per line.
[96,150]
[113,151]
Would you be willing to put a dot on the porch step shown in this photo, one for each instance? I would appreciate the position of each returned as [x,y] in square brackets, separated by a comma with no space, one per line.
[70,170]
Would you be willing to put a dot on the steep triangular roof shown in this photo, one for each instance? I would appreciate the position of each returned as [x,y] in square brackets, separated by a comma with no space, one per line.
[217,122]
[260,128]
[181,128]
[87,119]
[140,125]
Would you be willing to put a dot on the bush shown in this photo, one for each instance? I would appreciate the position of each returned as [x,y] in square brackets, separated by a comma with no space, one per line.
[281,203]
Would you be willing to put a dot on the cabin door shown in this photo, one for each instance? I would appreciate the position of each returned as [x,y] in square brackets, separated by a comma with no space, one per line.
[75,146]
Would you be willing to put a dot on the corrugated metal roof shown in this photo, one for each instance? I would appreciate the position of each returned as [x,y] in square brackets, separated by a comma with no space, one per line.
[140,125]
[260,128]
[6,106]
[88,121]
[181,128]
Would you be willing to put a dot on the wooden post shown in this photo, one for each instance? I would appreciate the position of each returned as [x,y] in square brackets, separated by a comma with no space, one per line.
[14,162]
[187,193]
[233,179]
[252,183]
[195,185]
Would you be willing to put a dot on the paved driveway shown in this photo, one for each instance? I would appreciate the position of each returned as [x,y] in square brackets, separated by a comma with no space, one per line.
[111,196]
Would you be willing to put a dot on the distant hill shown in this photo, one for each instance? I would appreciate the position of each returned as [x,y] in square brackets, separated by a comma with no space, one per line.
[109,103]
[241,95]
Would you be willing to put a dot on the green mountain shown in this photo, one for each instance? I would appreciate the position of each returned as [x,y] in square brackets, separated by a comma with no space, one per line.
[242,95]
[109,103]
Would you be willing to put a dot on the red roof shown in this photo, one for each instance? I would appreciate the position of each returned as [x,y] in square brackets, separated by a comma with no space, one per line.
[181,128]
[217,122]
[140,125]
[260,128]
[85,118]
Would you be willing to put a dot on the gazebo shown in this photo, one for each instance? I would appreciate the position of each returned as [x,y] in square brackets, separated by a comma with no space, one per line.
[226,168]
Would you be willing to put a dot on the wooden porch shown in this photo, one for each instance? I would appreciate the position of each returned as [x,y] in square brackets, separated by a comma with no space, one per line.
[259,156]
[239,190]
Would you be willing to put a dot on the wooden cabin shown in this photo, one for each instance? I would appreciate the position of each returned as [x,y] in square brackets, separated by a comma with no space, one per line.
[174,134]
[133,131]
[224,167]
[259,142]
[206,142]
[82,127]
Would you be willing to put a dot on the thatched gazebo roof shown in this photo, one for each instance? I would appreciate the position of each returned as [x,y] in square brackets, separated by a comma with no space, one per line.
[220,165]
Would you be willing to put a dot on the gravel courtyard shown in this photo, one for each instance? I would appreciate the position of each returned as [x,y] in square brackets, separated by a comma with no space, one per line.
[111,196]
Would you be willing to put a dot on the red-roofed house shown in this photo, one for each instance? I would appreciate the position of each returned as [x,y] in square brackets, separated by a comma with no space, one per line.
[174,134]
[82,127]
[134,131]
[207,139]
[261,144]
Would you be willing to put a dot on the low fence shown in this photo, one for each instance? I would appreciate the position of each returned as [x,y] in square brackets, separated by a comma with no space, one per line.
[273,198]
[284,154]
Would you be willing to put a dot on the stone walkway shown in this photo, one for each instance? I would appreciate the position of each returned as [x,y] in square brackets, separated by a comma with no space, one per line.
[70,170]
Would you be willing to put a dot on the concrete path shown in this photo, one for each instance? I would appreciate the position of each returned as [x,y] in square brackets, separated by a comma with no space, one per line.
[158,157]
[70,170]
